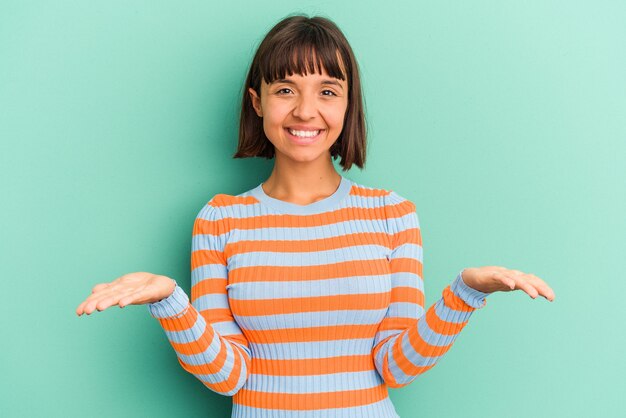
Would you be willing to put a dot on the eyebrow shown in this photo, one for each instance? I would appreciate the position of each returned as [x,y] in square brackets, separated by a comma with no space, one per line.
[324,82]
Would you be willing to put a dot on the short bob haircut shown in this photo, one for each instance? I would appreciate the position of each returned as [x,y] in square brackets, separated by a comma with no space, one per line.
[304,45]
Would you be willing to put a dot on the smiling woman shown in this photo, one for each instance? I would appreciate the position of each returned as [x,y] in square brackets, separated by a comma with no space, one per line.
[307,295]
[304,76]
[302,115]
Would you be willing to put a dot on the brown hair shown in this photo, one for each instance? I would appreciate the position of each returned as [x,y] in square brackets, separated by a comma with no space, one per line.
[301,44]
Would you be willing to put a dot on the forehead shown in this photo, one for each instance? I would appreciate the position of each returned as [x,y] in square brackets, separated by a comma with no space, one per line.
[302,64]
[317,79]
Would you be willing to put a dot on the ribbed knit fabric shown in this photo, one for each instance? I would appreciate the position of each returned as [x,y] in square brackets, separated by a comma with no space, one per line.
[314,310]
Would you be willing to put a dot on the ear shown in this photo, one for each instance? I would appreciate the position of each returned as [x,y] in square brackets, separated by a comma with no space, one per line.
[256,101]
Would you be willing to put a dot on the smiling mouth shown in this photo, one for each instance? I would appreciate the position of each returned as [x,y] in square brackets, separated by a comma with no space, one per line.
[303,137]
[303,133]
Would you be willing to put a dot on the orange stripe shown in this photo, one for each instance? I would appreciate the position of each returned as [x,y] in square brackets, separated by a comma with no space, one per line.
[217,315]
[182,322]
[206,226]
[443,327]
[326,218]
[409,235]
[222,199]
[454,302]
[313,366]
[407,294]
[424,349]
[406,265]
[257,307]
[204,257]
[215,366]
[373,192]
[305,246]
[329,333]
[310,401]
[199,345]
[396,323]
[209,286]
[389,378]
[404,363]
[316,272]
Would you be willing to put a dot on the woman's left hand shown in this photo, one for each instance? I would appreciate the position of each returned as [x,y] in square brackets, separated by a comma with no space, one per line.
[491,279]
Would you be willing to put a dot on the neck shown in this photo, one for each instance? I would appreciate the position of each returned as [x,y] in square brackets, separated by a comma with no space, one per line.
[302,183]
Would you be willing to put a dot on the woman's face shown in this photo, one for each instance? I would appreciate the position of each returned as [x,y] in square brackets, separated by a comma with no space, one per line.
[302,115]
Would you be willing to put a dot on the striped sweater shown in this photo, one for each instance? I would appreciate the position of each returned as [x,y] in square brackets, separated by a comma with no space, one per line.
[310,310]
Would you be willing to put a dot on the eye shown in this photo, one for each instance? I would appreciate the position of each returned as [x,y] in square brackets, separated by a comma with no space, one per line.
[332,93]
[280,90]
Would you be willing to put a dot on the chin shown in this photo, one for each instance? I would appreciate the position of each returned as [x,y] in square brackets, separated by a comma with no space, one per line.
[306,156]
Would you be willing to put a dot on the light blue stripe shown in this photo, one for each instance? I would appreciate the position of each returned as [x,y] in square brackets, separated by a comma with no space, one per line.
[204,357]
[445,314]
[305,233]
[406,279]
[311,349]
[402,223]
[381,409]
[381,335]
[208,241]
[448,314]
[224,328]
[188,335]
[408,250]
[405,310]
[211,301]
[311,258]
[240,211]
[227,328]
[222,374]
[327,204]
[243,376]
[311,288]
[313,319]
[209,271]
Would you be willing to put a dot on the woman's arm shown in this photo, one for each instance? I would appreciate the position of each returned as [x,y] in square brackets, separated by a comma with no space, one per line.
[207,340]
[409,340]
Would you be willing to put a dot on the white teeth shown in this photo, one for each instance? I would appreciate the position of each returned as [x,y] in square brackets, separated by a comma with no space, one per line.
[304,134]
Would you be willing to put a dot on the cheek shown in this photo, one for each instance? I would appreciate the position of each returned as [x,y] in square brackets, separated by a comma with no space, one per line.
[272,125]
[274,115]
[334,117]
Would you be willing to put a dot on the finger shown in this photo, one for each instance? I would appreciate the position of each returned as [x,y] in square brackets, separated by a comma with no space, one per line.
[507,280]
[527,286]
[99,287]
[97,298]
[542,287]
[129,299]
[99,291]
[111,300]
[80,308]
[137,297]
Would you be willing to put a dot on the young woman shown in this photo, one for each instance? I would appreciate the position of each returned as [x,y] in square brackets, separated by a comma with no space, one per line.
[307,295]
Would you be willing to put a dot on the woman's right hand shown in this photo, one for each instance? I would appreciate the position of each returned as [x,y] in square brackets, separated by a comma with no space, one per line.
[130,289]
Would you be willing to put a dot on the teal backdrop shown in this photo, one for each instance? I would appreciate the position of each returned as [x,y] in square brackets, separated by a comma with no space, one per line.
[504,122]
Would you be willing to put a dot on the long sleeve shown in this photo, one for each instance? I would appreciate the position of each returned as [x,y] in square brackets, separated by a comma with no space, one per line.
[409,341]
[208,342]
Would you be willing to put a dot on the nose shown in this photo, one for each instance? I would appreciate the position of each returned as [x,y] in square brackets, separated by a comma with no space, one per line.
[305,107]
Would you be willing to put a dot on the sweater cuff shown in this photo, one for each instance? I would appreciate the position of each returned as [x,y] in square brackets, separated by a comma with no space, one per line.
[172,306]
[474,298]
